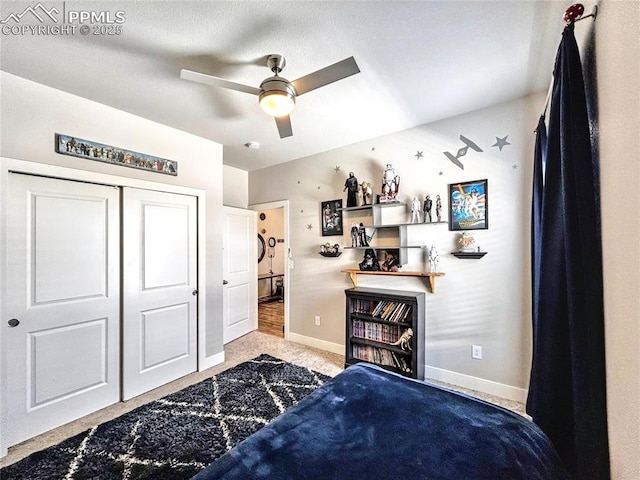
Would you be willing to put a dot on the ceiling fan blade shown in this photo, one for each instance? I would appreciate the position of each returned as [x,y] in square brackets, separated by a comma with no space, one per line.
[324,76]
[284,126]
[217,82]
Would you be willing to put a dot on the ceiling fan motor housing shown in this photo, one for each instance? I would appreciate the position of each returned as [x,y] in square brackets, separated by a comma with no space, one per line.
[277,84]
[276,63]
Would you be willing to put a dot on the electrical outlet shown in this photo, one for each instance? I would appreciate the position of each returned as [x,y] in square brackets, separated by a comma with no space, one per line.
[317,320]
[476,352]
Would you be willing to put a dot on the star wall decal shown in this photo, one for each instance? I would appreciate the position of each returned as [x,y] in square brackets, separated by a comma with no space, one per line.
[514,166]
[309,226]
[337,168]
[418,155]
[501,142]
[441,173]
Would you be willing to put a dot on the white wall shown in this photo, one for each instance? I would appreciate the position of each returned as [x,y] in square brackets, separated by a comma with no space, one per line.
[483,302]
[618,67]
[235,187]
[32,113]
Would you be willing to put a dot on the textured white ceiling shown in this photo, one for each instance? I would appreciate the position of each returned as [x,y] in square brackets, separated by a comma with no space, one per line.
[420,61]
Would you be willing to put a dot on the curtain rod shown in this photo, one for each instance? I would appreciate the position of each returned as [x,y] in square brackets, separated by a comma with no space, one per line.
[572,14]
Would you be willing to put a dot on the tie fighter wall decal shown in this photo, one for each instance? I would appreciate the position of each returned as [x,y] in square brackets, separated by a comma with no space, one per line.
[462,151]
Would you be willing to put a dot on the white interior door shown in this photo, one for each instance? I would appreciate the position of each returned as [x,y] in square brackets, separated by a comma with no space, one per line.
[63,303]
[240,273]
[159,289]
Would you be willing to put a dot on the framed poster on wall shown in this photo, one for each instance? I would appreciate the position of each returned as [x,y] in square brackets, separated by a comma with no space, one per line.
[468,205]
[331,217]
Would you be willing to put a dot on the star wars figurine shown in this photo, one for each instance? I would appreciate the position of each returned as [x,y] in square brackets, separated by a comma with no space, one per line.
[465,241]
[366,193]
[415,210]
[351,184]
[369,262]
[433,259]
[427,208]
[354,235]
[438,208]
[390,184]
[363,241]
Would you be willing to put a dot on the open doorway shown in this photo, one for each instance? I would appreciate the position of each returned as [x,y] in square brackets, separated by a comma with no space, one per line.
[273,262]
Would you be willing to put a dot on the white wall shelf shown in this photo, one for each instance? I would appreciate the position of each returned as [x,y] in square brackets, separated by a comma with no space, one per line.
[387,216]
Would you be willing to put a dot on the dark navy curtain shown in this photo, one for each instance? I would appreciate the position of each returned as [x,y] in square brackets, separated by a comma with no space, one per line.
[539,162]
[567,391]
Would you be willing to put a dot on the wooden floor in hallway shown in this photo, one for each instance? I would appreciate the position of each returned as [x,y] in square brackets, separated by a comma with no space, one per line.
[271,318]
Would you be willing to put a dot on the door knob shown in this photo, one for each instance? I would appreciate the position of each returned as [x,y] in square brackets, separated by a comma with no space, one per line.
[14,322]
[194,293]
[224,282]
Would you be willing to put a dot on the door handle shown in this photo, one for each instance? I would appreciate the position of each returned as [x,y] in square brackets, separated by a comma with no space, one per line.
[14,322]
[224,282]
[194,293]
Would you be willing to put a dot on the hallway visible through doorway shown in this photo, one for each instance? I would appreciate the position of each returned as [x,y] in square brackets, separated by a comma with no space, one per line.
[272,267]
[271,318]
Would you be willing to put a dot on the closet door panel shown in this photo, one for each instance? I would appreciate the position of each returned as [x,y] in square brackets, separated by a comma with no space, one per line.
[159,289]
[63,265]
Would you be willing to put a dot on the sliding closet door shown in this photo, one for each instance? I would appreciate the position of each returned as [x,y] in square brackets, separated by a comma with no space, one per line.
[159,289]
[63,303]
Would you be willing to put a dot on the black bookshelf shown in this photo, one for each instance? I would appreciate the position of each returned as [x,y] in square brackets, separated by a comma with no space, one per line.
[376,319]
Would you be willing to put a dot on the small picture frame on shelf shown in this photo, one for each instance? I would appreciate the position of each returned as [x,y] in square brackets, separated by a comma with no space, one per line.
[468,205]
[389,259]
[331,217]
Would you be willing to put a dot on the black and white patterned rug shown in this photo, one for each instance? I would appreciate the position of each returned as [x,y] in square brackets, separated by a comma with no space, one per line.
[177,436]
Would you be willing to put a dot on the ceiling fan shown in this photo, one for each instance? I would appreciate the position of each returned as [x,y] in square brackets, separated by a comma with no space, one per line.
[276,94]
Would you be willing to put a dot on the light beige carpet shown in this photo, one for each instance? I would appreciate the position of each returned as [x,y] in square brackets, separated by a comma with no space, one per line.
[238,351]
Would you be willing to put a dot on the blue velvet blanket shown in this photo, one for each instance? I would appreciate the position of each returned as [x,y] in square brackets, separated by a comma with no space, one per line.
[368,423]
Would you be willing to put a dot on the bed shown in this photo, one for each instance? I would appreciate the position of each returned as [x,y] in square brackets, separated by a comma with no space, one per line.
[369,423]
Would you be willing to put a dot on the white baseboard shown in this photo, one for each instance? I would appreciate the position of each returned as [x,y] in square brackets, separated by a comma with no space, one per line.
[316,343]
[211,361]
[459,379]
[479,384]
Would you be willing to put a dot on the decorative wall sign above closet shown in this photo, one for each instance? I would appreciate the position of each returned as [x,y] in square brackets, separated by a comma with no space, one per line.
[99,152]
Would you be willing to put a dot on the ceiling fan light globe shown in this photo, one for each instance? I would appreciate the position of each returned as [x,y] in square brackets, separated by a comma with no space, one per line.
[277,103]
[277,97]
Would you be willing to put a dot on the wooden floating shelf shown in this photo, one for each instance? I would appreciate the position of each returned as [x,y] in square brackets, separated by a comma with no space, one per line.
[469,255]
[353,273]
[330,254]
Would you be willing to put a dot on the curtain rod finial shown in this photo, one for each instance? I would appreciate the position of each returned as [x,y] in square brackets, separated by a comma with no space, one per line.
[573,13]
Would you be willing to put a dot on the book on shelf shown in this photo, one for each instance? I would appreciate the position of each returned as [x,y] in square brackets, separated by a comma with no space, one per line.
[392,311]
[400,362]
[380,356]
[375,331]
